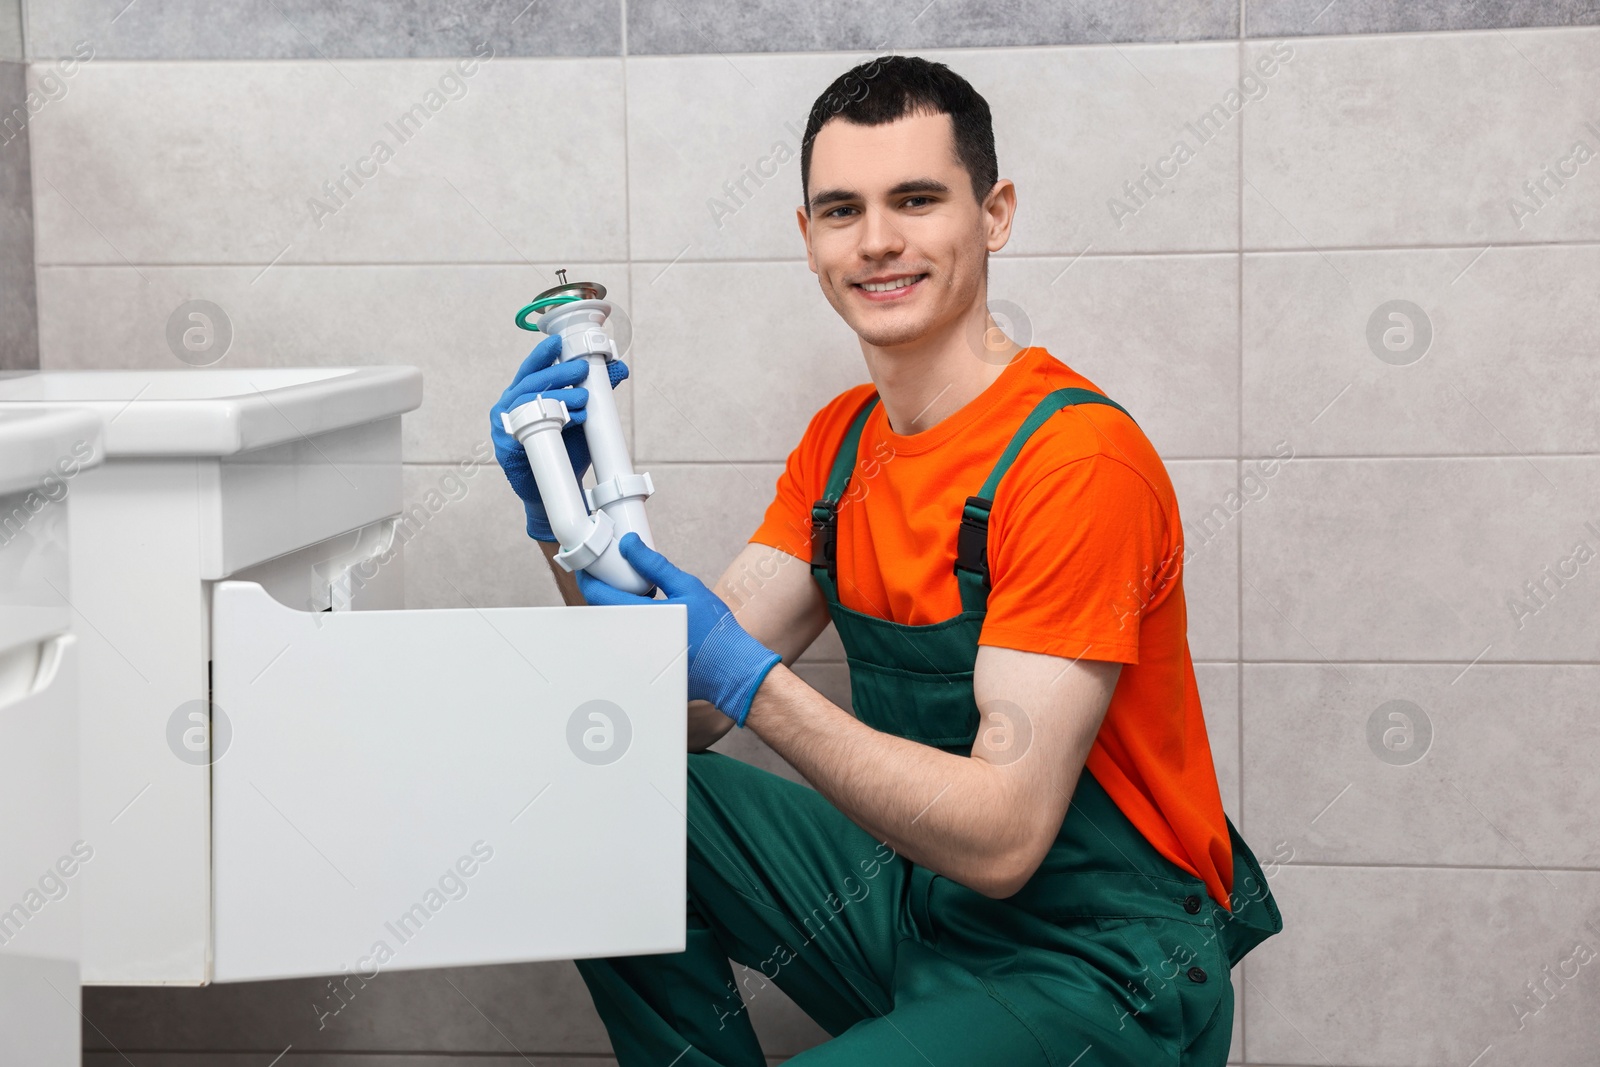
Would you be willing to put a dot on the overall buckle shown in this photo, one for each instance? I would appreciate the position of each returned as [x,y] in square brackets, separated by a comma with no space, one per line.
[972,539]
[825,536]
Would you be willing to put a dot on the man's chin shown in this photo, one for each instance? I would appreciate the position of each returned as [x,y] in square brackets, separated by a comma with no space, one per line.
[886,335]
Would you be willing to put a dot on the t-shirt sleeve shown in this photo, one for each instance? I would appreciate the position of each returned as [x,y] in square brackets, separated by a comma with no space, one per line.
[787,523]
[1076,561]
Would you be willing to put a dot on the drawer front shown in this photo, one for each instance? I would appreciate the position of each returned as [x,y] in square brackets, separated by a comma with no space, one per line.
[404,789]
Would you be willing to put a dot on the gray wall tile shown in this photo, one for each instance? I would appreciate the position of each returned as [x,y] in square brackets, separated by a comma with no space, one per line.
[19,334]
[697,122]
[1406,965]
[1205,489]
[464,542]
[225,162]
[1111,114]
[1219,698]
[1424,139]
[1499,358]
[455,322]
[703,514]
[728,184]
[701,26]
[11,44]
[1171,359]
[1398,559]
[1295,18]
[302,29]
[746,391]
[1320,792]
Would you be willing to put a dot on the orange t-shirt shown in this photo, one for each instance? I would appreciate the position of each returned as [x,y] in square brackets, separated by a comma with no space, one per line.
[1085,560]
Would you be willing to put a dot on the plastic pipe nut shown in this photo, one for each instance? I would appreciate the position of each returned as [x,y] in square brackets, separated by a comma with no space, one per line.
[617,487]
[524,418]
[594,544]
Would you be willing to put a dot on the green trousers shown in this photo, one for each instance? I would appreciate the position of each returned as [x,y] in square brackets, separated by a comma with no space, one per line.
[1111,955]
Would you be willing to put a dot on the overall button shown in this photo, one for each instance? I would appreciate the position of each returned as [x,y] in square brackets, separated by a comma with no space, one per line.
[1197,974]
[1191,904]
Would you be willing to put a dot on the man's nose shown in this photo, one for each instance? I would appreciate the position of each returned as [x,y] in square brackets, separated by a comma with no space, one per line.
[880,234]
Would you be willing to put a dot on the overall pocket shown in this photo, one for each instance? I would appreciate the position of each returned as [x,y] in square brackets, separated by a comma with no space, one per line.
[1176,979]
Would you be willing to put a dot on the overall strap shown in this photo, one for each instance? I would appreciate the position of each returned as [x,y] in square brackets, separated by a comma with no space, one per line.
[972,540]
[825,512]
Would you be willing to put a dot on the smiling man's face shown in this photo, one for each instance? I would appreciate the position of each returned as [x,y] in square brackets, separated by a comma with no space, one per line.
[894,234]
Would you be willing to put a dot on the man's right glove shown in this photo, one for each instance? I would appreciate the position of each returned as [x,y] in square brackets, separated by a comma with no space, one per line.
[726,664]
[541,375]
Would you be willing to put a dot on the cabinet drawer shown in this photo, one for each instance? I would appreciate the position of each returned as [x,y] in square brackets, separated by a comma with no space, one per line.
[403,789]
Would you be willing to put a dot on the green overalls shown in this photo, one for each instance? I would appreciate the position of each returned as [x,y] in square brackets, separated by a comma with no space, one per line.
[1109,955]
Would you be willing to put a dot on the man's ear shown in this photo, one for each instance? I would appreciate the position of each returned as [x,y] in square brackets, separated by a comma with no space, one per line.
[804,220]
[999,209]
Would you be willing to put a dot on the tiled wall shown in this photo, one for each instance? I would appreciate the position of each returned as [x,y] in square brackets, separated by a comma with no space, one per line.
[19,339]
[1374,154]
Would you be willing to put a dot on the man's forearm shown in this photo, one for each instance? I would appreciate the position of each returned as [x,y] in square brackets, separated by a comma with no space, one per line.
[566,581]
[947,812]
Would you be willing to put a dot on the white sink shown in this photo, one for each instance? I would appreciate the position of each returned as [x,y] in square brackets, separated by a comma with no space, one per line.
[217,412]
[33,443]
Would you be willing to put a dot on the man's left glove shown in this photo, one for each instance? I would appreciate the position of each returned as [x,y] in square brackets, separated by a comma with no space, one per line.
[726,664]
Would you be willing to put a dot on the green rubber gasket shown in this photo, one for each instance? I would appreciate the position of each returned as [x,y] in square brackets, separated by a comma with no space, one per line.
[541,305]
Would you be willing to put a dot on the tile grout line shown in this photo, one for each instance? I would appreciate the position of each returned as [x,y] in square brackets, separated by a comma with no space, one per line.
[1184,253]
[627,209]
[1238,475]
[1358,36]
[33,211]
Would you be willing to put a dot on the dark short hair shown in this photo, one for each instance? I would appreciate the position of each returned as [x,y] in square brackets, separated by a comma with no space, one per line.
[891,87]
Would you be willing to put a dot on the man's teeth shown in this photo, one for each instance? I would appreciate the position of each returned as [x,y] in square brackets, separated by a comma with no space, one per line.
[886,287]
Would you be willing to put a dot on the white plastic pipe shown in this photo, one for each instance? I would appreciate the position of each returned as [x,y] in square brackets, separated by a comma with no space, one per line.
[588,522]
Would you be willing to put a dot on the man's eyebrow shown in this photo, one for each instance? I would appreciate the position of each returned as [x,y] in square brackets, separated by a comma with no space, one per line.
[914,185]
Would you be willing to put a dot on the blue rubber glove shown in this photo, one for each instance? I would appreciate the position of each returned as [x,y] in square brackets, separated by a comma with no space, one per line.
[541,374]
[726,664]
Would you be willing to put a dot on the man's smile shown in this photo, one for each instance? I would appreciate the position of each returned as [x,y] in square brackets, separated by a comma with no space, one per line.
[889,287]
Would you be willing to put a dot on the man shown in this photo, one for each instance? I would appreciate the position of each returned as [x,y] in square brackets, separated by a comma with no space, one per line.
[1015,852]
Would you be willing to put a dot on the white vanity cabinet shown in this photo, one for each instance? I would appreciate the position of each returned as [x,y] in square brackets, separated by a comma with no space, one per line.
[43,854]
[286,773]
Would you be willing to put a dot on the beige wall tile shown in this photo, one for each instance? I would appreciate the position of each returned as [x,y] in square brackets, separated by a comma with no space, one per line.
[1423,138]
[1406,965]
[1158,334]
[1424,559]
[1219,698]
[745,388]
[1207,493]
[1074,127]
[161,162]
[465,543]
[1407,764]
[1495,354]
